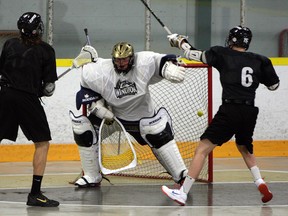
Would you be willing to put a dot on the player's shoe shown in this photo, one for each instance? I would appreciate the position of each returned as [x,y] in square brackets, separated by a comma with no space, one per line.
[177,195]
[264,190]
[87,181]
[41,200]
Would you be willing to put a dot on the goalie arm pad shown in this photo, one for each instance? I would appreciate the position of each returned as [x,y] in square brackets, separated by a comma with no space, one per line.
[87,54]
[86,96]
[99,109]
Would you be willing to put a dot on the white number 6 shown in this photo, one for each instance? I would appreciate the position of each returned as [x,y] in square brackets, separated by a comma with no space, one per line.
[246,77]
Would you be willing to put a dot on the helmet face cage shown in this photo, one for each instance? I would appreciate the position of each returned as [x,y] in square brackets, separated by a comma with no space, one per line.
[30,25]
[239,36]
[120,51]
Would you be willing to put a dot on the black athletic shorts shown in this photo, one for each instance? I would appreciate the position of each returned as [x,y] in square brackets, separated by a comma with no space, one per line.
[22,109]
[232,119]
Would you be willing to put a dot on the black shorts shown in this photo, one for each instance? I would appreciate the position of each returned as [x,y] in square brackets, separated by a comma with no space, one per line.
[22,109]
[232,119]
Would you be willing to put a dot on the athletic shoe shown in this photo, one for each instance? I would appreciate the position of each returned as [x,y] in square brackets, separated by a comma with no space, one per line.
[267,195]
[86,181]
[177,195]
[41,200]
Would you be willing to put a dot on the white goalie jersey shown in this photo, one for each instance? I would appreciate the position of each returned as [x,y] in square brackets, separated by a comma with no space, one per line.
[128,95]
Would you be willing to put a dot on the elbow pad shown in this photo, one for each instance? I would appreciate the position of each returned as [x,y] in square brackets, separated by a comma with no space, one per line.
[194,55]
[48,89]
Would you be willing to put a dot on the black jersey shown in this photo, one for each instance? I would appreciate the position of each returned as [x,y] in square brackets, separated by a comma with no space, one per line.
[27,67]
[241,72]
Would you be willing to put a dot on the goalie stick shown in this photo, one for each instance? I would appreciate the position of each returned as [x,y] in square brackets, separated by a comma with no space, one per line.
[72,67]
[88,42]
[161,23]
[116,151]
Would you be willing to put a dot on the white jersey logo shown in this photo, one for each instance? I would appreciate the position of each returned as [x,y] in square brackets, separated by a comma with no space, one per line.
[124,88]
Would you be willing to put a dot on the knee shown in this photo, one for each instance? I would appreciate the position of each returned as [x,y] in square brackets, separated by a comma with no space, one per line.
[204,148]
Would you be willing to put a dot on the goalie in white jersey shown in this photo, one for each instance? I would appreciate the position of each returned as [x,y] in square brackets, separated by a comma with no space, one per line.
[119,87]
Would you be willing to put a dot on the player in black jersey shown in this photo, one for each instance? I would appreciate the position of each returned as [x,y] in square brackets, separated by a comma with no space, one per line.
[241,73]
[28,72]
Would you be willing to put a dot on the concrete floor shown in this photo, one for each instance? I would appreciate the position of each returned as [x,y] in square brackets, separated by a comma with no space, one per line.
[232,192]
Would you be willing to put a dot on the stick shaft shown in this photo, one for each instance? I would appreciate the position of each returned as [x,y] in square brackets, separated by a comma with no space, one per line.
[87,36]
[84,107]
[160,22]
[65,72]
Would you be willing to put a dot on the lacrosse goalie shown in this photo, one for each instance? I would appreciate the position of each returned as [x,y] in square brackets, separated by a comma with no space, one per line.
[118,87]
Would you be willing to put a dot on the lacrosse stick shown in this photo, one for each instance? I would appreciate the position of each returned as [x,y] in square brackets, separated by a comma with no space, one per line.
[112,158]
[82,59]
[88,42]
[161,23]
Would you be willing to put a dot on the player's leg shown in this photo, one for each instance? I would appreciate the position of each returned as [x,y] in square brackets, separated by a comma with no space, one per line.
[196,165]
[217,132]
[86,138]
[244,141]
[158,133]
[250,161]
[35,127]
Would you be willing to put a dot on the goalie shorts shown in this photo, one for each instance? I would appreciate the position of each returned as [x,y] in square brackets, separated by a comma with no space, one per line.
[18,108]
[232,119]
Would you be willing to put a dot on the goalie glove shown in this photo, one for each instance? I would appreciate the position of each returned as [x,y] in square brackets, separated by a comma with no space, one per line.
[87,54]
[179,41]
[173,72]
[98,108]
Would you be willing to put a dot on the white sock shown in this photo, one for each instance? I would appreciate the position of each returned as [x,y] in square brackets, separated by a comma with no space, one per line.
[187,184]
[256,175]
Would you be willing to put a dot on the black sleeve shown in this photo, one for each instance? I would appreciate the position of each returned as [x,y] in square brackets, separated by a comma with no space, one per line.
[269,76]
[49,65]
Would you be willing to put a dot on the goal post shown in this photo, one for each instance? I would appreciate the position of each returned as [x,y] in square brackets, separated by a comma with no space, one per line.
[183,101]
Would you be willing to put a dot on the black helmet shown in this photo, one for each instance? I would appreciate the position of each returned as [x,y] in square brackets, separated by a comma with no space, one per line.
[123,50]
[239,36]
[30,25]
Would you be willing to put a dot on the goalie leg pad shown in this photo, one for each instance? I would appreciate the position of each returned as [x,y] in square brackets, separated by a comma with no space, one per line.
[90,165]
[170,158]
[83,130]
[86,139]
[157,130]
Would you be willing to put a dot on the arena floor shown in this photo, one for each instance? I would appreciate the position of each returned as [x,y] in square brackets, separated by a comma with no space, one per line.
[232,192]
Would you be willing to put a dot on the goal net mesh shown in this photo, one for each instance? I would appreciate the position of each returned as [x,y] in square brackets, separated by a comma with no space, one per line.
[183,101]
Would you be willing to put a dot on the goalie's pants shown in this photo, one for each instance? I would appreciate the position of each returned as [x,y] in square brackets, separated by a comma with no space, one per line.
[132,127]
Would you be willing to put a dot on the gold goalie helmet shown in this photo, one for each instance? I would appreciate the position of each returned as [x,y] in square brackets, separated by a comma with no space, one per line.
[123,57]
